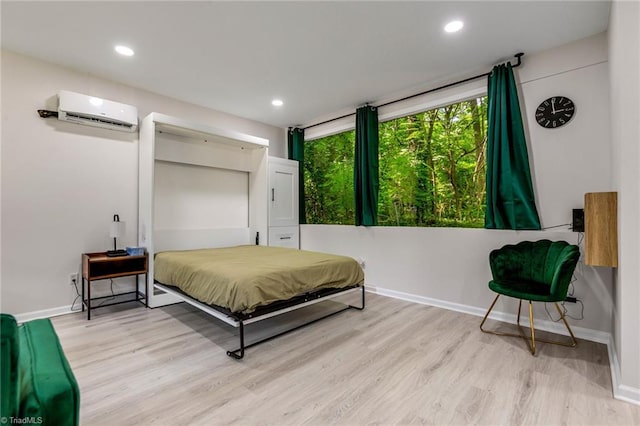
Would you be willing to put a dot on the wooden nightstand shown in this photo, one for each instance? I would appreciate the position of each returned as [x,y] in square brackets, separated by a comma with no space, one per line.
[99,266]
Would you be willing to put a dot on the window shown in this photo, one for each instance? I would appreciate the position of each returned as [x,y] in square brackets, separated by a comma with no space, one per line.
[432,167]
[328,179]
[432,170]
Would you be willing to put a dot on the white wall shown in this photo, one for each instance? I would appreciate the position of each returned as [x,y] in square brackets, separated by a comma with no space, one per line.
[574,159]
[195,197]
[62,183]
[451,264]
[624,52]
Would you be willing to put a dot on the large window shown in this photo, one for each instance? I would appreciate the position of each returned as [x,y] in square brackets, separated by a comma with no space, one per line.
[432,170]
[328,179]
[432,167]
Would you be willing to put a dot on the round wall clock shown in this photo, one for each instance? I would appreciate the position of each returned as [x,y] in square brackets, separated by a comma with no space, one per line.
[555,112]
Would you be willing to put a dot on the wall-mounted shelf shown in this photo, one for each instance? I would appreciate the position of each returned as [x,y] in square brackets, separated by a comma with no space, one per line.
[197,131]
[601,228]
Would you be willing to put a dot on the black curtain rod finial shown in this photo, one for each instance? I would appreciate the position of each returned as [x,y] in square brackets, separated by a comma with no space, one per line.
[518,56]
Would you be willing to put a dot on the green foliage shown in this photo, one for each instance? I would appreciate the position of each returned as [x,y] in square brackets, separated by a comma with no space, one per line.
[432,170]
[328,179]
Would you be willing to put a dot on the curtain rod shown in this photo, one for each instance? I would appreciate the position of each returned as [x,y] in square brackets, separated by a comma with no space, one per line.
[518,56]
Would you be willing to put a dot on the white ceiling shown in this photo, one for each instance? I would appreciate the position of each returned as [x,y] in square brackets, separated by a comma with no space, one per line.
[321,58]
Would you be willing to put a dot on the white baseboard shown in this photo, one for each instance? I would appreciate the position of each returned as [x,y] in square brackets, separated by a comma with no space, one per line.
[45,313]
[546,325]
[621,392]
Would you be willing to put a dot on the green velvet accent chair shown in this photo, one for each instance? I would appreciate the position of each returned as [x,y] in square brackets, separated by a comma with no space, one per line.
[37,383]
[536,271]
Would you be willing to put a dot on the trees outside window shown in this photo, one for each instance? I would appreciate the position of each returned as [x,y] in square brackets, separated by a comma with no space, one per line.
[432,170]
[328,179]
[432,167]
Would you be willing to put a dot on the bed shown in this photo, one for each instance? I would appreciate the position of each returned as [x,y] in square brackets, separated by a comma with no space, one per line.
[245,284]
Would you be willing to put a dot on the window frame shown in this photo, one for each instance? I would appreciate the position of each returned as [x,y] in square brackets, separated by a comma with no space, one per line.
[449,96]
[417,105]
[329,129]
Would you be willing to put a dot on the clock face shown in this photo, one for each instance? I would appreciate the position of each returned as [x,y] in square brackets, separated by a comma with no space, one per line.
[555,112]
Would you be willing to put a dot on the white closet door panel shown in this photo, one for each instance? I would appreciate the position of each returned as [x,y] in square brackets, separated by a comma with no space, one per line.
[283,192]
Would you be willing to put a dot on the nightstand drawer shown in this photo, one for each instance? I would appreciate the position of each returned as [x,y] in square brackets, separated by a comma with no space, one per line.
[99,266]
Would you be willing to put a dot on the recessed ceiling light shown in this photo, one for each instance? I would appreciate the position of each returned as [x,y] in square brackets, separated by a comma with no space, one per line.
[124,50]
[453,26]
[277,102]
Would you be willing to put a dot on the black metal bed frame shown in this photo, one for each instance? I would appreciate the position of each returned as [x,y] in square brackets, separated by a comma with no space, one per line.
[273,309]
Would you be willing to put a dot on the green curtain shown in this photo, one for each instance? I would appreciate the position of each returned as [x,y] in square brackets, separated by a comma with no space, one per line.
[366,179]
[295,148]
[510,199]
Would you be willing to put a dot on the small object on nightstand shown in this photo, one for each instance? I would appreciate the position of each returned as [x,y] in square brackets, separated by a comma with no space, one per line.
[135,251]
[117,231]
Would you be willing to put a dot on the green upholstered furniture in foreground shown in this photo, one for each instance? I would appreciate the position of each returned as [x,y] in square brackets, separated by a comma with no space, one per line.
[536,271]
[37,384]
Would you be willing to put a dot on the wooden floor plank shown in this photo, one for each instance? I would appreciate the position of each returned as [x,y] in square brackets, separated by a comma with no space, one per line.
[394,363]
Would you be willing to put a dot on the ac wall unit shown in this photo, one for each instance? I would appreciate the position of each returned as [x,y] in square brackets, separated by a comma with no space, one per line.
[96,112]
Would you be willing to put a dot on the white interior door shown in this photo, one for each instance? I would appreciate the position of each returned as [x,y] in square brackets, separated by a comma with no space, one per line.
[283,192]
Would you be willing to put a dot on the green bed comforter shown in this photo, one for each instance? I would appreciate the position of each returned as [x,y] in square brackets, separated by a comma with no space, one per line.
[244,277]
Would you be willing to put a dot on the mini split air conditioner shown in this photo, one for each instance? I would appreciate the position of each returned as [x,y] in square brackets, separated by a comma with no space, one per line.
[97,112]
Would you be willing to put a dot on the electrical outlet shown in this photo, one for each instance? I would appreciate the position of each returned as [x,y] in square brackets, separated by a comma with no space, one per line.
[73,278]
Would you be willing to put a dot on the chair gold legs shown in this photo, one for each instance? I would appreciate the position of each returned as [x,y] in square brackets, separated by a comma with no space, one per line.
[574,342]
[487,314]
[531,340]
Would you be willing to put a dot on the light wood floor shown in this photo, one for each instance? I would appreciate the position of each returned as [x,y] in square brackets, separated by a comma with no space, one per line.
[393,363]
